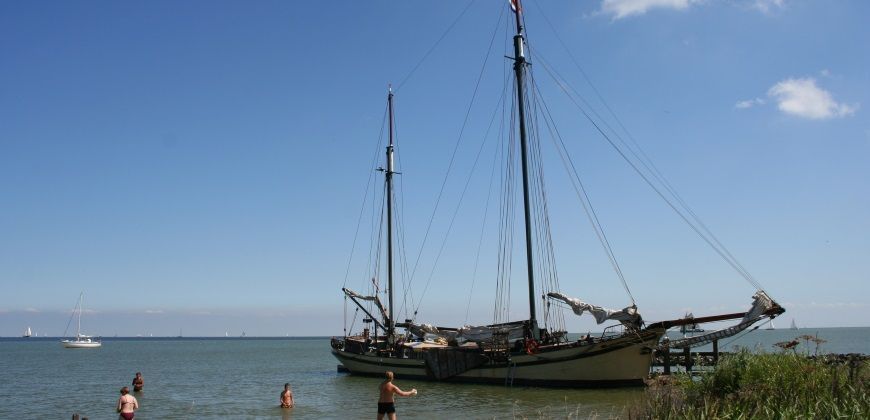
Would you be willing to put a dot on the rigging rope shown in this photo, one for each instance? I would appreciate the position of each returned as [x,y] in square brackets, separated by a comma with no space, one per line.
[507,217]
[482,231]
[698,230]
[449,170]
[548,273]
[365,200]
[643,158]
[443,35]
[583,196]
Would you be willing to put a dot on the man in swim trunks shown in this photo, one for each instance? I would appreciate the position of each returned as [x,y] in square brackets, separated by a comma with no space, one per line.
[138,382]
[287,397]
[386,403]
[126,405]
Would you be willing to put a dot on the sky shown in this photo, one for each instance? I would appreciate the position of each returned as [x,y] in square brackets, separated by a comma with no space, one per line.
[200,167]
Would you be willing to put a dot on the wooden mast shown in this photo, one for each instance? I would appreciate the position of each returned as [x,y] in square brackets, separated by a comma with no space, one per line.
[388,174]
[519,69]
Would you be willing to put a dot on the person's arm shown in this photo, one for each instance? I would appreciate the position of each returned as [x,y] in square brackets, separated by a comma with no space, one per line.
[292,403]
[135,403]
[404,393]
[119,404]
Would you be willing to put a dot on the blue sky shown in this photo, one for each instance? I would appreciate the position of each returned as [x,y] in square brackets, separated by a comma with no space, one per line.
[201,165]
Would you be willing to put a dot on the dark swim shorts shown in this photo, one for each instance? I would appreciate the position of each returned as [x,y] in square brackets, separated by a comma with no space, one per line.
[127,416]
[386,408]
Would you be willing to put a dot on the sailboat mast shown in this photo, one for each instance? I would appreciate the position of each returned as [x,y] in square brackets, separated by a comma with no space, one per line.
[519,69]
[79,328]
[388,174]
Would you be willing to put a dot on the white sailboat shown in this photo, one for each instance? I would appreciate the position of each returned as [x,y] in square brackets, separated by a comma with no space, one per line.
[27,333]
[793,325]
[690,328]
[535,350]
[80,341]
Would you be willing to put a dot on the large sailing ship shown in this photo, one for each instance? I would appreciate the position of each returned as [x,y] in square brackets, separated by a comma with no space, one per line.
[536,350]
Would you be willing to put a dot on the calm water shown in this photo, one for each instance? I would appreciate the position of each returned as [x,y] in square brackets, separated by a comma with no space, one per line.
[242,378]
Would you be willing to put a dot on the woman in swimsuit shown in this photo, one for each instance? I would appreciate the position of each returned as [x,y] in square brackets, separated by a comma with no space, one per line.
[126,405]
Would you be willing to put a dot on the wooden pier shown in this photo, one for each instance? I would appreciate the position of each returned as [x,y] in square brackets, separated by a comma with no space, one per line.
[668,358]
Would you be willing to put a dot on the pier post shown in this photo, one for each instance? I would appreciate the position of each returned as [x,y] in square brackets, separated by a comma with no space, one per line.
[667,360]
[687,354]
[715,352]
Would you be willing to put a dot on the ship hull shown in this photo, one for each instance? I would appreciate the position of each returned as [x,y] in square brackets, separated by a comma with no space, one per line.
[71,344]
[623,361]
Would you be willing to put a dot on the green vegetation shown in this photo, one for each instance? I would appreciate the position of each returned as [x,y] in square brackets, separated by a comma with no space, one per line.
[746,385]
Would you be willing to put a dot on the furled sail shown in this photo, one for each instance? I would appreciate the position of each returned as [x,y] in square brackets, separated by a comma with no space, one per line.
[510,332]
[628,316]
[421,330]
[761,303]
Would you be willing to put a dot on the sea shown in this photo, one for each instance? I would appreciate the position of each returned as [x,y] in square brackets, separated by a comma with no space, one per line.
[219,378]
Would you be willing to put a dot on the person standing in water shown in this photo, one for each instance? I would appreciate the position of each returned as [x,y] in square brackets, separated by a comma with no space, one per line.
[287,397]
[386,402]
[127,404]
[138,382]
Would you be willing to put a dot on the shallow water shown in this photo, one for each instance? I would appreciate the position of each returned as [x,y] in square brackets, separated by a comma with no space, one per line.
[242,378]
[209,378]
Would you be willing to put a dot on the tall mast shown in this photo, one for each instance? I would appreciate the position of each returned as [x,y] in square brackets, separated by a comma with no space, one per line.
[519,68]
[388,174]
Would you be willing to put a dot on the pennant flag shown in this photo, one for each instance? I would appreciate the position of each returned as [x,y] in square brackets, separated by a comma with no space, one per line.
[515,5]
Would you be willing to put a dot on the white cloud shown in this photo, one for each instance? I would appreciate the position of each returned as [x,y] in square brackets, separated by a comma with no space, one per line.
[32,310]
[825,72]
[749,103]
[619,9]
[153,311]
[802,98]
[624,8]
[767,6]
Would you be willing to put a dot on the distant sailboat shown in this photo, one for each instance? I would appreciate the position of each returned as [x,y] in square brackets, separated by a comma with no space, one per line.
[691,327]
[793,325]
[27,333]
[80,341]
[770,326]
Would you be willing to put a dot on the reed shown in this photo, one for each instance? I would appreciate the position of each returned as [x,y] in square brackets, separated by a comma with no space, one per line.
[748,385]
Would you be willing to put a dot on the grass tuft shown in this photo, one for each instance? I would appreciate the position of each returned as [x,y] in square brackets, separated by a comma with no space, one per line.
[749,385]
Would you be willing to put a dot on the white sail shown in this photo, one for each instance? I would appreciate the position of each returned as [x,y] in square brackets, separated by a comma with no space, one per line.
[28,332]
[508,332]
[627,316]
